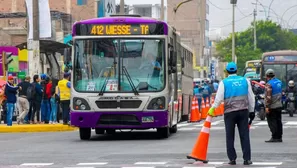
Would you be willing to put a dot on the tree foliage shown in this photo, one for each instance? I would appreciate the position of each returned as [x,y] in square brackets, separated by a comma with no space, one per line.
[270,37]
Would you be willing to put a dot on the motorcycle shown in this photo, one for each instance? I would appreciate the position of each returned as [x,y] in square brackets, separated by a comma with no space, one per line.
[260,108]
[291,104]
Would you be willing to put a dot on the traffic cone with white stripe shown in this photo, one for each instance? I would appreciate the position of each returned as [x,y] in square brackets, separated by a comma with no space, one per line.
[194,116]
[199,152]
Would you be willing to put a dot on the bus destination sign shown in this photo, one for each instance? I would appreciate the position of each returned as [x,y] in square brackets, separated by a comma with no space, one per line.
[281,58]
[119,29]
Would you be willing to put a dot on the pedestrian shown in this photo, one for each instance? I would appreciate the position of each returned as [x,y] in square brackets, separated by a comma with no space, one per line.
[206,92]
[45,104]
[54,101]
[23,103]
[64,86]
[239,99]
[10,92]
[36,100]
[273,106]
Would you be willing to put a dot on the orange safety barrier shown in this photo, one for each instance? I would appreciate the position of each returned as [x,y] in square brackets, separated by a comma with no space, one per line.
[199,152]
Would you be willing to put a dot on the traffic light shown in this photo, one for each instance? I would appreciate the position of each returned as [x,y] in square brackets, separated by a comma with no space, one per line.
[6,60]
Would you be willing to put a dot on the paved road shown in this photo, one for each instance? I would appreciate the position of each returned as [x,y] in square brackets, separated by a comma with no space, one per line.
[144,149]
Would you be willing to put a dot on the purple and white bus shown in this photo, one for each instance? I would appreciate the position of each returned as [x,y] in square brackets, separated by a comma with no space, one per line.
[125,76]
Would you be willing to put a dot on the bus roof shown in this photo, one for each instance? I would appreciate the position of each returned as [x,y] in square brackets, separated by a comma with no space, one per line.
[280,52]
[120,20]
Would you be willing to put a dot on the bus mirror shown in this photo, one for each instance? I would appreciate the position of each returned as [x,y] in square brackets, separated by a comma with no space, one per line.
[174,59]
[173,70]
[182,62]
[171,57]
[258,70]
[67,55]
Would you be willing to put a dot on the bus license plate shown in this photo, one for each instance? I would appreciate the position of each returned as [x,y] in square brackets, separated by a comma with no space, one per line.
[149,119]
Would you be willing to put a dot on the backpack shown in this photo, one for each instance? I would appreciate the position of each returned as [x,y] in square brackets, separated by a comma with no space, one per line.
[31,92]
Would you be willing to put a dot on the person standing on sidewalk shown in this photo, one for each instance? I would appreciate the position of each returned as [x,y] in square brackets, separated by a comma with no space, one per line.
[36,101]
[22,102]
[273,106]
[54,91]
[239,99]
[64,86]
[10,92]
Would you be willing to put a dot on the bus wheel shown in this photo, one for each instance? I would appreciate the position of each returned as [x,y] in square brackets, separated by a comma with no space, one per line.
[173,129]
[99,131]
[163,132]
[110,131]
[85,133]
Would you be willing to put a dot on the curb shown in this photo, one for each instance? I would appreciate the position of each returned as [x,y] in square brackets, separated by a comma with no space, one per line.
[36,128]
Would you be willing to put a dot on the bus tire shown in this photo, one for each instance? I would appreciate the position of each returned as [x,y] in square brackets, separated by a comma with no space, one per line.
[173,129]
[99,131]
[85,133]
[163,132]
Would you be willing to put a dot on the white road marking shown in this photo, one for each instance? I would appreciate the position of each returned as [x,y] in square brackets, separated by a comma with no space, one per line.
[261,123]
[182,125]
[215,163]
[259,167]
[213,123]
[150,163]
[187,129]
[138,167]
[291,123]
[267,163]
[91,164]
[79,167]
[36,164]
[199,167]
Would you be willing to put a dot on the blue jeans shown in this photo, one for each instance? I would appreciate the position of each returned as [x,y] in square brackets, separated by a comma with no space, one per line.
[45,110]
[53,116]
[10,110]
[199,103]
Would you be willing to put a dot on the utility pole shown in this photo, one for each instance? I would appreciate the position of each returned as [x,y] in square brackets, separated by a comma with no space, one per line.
[233,33]
[33,45]
[255,26]
[162,10]
[122,7]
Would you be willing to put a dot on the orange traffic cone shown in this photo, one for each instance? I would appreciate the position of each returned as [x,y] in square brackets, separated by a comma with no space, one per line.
[207,104]
[199,152]
[194,115]
[197,111]
[204,110]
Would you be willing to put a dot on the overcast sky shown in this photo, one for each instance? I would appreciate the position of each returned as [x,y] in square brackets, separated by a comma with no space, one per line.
[221,15]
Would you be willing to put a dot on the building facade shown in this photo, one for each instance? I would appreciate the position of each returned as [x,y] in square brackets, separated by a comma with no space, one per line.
[191,20]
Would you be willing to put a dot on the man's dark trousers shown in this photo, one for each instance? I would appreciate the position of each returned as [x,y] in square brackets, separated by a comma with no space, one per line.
[239,118]
[274,119]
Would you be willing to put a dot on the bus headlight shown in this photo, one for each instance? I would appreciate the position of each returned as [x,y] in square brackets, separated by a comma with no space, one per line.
[80,104]
[157,104]
[83,107]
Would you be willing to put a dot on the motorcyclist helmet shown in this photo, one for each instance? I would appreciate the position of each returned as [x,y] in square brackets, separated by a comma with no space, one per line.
[291,83]
[262,82]
[270,73]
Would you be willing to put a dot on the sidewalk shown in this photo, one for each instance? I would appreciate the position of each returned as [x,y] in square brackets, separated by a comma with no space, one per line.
[35,128]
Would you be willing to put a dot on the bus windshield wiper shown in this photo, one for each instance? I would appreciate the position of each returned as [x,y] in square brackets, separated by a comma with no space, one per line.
[126,73]
[105,82]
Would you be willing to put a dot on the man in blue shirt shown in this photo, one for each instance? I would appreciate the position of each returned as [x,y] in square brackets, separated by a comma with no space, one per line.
[239,100]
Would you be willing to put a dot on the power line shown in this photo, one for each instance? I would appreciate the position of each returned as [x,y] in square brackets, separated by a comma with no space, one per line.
[241,11]
[217,6]
[237,20]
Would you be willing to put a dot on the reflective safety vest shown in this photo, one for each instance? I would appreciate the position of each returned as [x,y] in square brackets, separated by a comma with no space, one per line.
[64,90]
[276,99]
[235,94]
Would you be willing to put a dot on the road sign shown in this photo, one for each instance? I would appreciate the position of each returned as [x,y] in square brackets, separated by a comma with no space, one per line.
[21,75]
[109,7]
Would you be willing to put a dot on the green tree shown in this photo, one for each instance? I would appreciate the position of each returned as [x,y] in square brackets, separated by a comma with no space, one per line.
[270,37]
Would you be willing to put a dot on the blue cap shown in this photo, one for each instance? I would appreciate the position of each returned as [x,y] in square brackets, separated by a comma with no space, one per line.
[66,75]
[231,67]
[43,76]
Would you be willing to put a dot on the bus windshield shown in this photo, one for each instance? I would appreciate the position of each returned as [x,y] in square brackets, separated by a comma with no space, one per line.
[284,72]
[119,65]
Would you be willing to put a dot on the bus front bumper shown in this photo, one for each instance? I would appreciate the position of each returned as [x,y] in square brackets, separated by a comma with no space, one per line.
[120,120]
